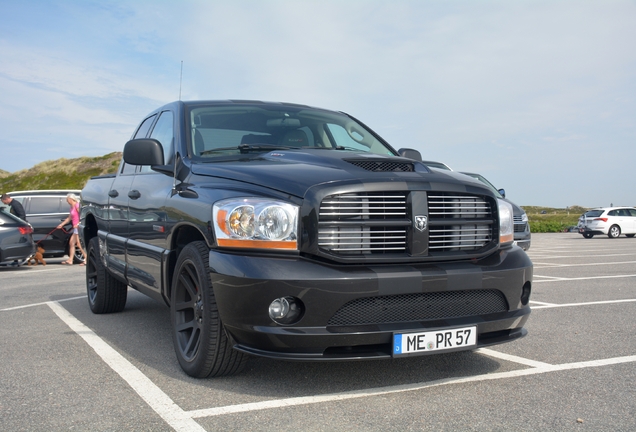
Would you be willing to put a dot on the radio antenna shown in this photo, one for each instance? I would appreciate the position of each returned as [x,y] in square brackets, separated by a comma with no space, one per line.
[180,79]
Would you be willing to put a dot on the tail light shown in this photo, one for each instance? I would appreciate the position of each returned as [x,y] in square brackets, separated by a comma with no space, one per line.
[25,230]
[603,219]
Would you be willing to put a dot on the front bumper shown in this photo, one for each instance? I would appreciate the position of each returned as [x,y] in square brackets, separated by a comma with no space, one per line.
[244,287]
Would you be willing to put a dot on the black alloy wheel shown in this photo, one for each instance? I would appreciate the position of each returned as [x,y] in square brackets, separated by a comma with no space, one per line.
[105,293]
[588,235]
[201,344]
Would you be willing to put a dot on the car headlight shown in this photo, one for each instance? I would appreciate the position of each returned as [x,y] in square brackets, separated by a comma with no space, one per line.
[255,223]
[524,217]
[506,224]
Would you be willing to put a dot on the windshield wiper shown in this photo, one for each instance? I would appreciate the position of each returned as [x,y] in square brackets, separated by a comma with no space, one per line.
[247,148]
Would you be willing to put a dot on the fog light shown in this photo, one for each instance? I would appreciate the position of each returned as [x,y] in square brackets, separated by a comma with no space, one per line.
[525,293]
[285,310]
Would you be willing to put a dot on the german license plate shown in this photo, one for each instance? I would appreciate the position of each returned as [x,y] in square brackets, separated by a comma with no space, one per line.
[436,340]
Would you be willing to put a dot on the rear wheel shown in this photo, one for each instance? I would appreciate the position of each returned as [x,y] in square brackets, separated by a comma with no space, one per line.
[200,342]
[588,235]
[105,293]
[614,231]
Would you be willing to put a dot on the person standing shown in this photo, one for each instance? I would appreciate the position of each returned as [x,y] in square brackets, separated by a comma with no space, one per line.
[73,217]
[15,206]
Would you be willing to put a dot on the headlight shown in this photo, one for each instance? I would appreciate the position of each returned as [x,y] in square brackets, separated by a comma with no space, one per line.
[506,227]
[524,217]
[255,223]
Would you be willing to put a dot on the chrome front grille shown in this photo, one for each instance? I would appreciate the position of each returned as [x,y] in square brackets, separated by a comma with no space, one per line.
[459,236]
[353,224]
[380,223]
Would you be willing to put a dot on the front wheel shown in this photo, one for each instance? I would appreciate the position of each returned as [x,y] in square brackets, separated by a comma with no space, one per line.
[200,342]
[630,235]
[105,293]
[614,231]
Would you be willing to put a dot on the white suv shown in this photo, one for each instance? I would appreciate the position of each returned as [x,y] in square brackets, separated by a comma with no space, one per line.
[611,221]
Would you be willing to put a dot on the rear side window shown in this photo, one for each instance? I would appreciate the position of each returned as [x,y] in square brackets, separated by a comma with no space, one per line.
[44,205]
[594,213]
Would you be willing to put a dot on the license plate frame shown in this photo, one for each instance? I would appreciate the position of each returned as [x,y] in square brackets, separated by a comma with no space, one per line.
[434,341]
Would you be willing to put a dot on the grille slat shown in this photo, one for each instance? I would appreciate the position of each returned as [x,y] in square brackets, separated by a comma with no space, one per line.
[419,307]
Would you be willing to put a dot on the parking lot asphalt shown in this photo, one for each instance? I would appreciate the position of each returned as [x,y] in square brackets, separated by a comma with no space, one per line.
[63,368]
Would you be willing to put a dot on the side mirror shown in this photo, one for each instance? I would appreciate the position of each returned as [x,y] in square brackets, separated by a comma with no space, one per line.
[143,151]
[502,192]
[410,154]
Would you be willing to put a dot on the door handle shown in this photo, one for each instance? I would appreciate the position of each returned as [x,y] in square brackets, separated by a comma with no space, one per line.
[113,193]
[134,194]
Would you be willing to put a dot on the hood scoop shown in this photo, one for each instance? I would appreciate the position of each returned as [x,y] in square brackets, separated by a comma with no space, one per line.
[382,165]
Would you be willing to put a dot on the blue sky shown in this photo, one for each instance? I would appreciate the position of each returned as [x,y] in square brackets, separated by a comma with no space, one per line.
[537,96]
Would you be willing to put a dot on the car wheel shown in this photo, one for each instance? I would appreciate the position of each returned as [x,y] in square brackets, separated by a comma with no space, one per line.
[630,235]
[200,342]
[105,293]
[614,231]
[78,257]
[588,235]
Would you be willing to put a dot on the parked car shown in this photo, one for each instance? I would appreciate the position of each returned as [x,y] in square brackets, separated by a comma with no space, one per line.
[522,228]
[611,221]
[45,209]
[16,239]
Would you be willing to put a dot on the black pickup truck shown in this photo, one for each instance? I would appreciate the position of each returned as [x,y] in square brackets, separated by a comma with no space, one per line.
[297,233]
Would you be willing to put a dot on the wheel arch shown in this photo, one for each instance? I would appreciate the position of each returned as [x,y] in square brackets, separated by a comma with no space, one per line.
[181,237]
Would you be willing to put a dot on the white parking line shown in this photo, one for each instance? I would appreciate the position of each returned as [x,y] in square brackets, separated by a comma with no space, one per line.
[40,304]
[182,420]
[512,358]
[603,302]
[306,400]
[551,265]
[577,256]
[555,279]
[145,388]
[542,303]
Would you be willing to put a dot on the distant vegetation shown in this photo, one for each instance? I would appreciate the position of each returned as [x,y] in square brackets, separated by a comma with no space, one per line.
[548,219]
[60,173]
[74,173]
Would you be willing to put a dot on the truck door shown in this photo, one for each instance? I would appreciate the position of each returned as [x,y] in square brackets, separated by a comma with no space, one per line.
[117,213]
[118,197]
[147,247]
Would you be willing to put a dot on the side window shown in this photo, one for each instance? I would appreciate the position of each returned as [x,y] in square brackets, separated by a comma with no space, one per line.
[145,127]
[632,212]
[142,131]
[612,213]
[44,205]
[164,133]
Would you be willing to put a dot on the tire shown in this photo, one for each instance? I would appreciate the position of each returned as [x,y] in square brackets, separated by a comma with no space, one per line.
[106,294]
[588,235]
[614,231]
[79,258]
[630,235]
[200,342]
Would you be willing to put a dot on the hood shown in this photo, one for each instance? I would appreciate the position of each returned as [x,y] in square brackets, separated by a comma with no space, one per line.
[294,172]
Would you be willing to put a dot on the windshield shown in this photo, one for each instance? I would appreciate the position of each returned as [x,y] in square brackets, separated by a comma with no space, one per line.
[233,129]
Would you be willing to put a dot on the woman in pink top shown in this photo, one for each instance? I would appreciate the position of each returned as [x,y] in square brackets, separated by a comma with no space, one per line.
[73,200]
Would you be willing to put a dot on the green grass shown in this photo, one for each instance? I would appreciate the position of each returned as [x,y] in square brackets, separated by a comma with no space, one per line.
[60,173]
[554,219]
